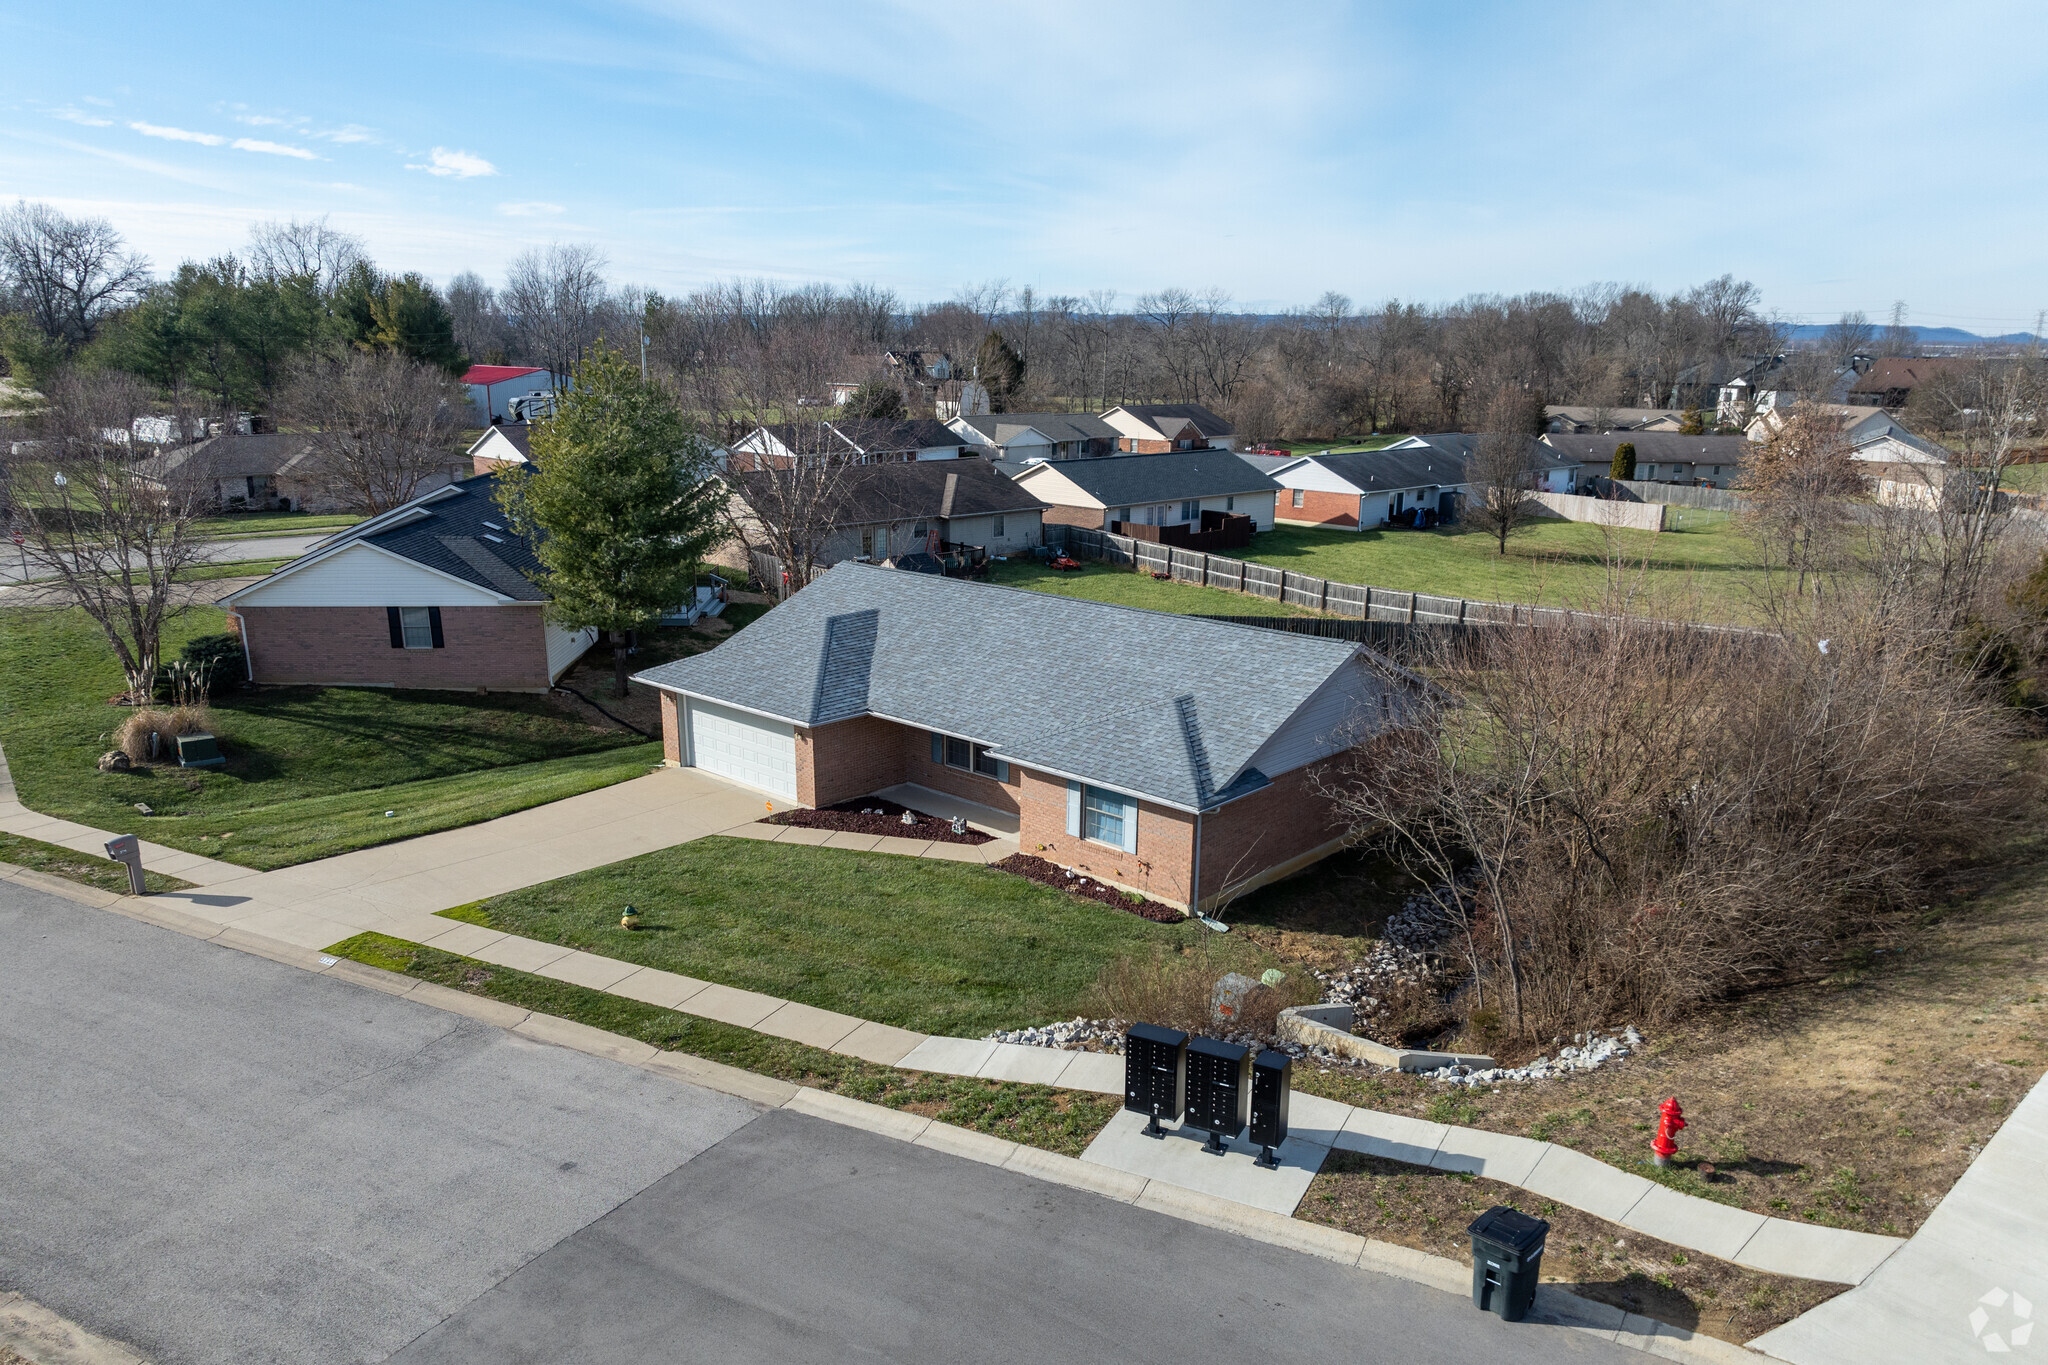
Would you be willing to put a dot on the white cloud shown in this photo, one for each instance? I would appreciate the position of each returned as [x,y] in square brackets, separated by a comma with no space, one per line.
[530,208]
[73,115]
[251,144]
[103,103]
[348,132]
[178,134]
[461,165]
[264,121]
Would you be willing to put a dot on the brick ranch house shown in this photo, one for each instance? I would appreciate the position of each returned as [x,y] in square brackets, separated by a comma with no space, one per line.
[1166,755]
[438,593]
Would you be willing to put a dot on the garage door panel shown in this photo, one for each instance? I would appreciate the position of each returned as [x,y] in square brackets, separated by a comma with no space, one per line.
[750,749]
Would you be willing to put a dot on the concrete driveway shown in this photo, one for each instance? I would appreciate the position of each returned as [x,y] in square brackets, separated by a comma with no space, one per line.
[214,1157]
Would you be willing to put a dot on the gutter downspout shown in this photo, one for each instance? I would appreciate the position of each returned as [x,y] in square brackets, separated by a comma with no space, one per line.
[1195,890]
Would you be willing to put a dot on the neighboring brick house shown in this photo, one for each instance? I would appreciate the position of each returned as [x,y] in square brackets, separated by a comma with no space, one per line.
[438,593]
[1164,754]
[1154,428]
[505,443]
[1022,438]
[886,510]
[853,440]
[1171,490]
[1360,490]
[272,471]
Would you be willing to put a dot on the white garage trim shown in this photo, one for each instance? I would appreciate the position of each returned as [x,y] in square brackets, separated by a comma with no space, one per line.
[753,750]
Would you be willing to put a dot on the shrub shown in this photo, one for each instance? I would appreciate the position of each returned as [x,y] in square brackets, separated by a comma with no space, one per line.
[1624,466]
[218,657]
[1173,990]
[133,737]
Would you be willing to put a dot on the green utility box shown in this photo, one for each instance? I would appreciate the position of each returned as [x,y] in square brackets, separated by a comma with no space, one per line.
[199,751]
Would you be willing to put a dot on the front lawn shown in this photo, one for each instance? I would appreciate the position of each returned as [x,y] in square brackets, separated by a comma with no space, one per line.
[311,770]
[1556,563]
[232,524]
[1124,587]
[940,947]
[1063,1121]
[55,860]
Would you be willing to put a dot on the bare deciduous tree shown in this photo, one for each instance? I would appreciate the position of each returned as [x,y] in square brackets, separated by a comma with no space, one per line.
[791,509]
[113,536]
[305,250]
[68,273]
[555,298]
[1502,474]
[1797,486]
[379,423]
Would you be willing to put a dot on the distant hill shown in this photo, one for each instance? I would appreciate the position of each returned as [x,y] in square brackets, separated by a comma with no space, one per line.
[1927,336]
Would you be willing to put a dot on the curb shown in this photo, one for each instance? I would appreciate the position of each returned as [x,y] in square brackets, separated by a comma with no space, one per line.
[33,1331]
[1555,1307]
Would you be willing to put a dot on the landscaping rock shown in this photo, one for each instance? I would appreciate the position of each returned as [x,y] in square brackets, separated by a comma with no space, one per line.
[1588,1052]
[114,761]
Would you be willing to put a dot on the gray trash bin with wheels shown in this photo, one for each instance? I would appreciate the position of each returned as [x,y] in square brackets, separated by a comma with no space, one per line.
[1507,1260]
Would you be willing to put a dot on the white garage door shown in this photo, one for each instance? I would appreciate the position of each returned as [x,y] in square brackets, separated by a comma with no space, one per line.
[749,749]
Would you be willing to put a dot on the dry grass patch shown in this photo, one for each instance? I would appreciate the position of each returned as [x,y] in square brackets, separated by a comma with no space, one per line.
[1414,1206]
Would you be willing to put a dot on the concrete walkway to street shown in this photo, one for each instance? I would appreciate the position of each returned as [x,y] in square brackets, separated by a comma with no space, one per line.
[396,889]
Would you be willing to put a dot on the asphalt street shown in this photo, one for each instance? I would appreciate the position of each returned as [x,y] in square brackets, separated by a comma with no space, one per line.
[231,551]
[213,1157]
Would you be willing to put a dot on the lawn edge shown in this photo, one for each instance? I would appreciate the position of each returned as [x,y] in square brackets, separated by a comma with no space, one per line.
[159,883]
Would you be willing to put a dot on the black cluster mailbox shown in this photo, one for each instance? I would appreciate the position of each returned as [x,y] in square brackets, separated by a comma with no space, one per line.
[1155,1074]
[1272,1081]
[1507,1260]
[1219,1089]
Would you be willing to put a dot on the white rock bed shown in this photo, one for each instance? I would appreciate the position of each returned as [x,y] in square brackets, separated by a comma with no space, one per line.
[1588,1052]
[1107,1035]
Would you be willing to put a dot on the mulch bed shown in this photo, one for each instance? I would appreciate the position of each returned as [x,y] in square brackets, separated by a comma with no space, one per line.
[1052,874]
[852,817]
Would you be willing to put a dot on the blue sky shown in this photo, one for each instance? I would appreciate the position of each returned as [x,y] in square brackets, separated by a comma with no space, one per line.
[1841,157]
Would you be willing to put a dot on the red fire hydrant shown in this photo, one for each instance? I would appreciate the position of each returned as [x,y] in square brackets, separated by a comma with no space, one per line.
[1670,1118]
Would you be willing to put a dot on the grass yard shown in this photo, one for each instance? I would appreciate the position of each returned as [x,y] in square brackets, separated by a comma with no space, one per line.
[233,524]
[1557,563]
[1063,1121]
[1333,445]
[1124,587]
[310,771]
[940,947]
[57,861]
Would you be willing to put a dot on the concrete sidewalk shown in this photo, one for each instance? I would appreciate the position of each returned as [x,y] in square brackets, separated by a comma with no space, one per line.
[1972,1281]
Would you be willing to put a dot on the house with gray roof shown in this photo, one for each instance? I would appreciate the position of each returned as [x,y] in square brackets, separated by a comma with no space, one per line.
[1172,490]
[1021,438]
[1170,756]
[1360,490]
[438,593]
[1150,428]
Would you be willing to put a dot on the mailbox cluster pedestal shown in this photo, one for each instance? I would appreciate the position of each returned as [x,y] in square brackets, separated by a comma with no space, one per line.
[1155,1074]
[1219,1089]
[1272,1082]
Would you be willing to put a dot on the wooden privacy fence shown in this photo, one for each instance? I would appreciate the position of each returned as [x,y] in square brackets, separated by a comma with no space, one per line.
[1355,600]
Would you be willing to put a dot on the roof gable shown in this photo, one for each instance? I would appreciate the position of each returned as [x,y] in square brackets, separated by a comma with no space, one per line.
[1128,480]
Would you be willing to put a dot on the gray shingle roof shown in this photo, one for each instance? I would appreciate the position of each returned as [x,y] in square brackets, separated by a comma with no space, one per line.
[1125,480]
[459,531]
[907,490]
[1651,446]
[1379,471]
[1206,422]
[1166,707]
[1060,426]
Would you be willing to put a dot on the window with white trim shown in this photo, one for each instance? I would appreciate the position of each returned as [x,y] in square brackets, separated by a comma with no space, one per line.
[1297,497]
[998,532]
[1102,816]
[1230,504]
[1190,509]
[418,627]
[967,756]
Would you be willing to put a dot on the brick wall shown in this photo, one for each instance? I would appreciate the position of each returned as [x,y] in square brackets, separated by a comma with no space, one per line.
[1133,446]
[1160,868]
[1268,828]
[849,758]
[1318,508]
[501,648]
[671,728]
[968,786]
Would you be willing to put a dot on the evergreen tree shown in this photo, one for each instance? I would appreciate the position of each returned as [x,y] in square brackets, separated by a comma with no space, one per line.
[620,501]
[411,319]
[1692,422]
[876,398]
[1000,370]
[1624,466]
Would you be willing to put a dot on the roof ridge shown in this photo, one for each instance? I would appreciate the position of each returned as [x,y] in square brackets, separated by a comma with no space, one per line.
[1198,752]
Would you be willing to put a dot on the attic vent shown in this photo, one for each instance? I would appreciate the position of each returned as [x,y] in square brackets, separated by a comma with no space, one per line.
[495,540]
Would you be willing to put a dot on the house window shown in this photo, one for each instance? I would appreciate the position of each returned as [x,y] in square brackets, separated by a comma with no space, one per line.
[921,531]
[1102,817]
[1124,514]
[998,532]
[1297,497]
[1230,504]
[1189,509]
[417,627]
[867,544]
[967,756]
[882,543]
